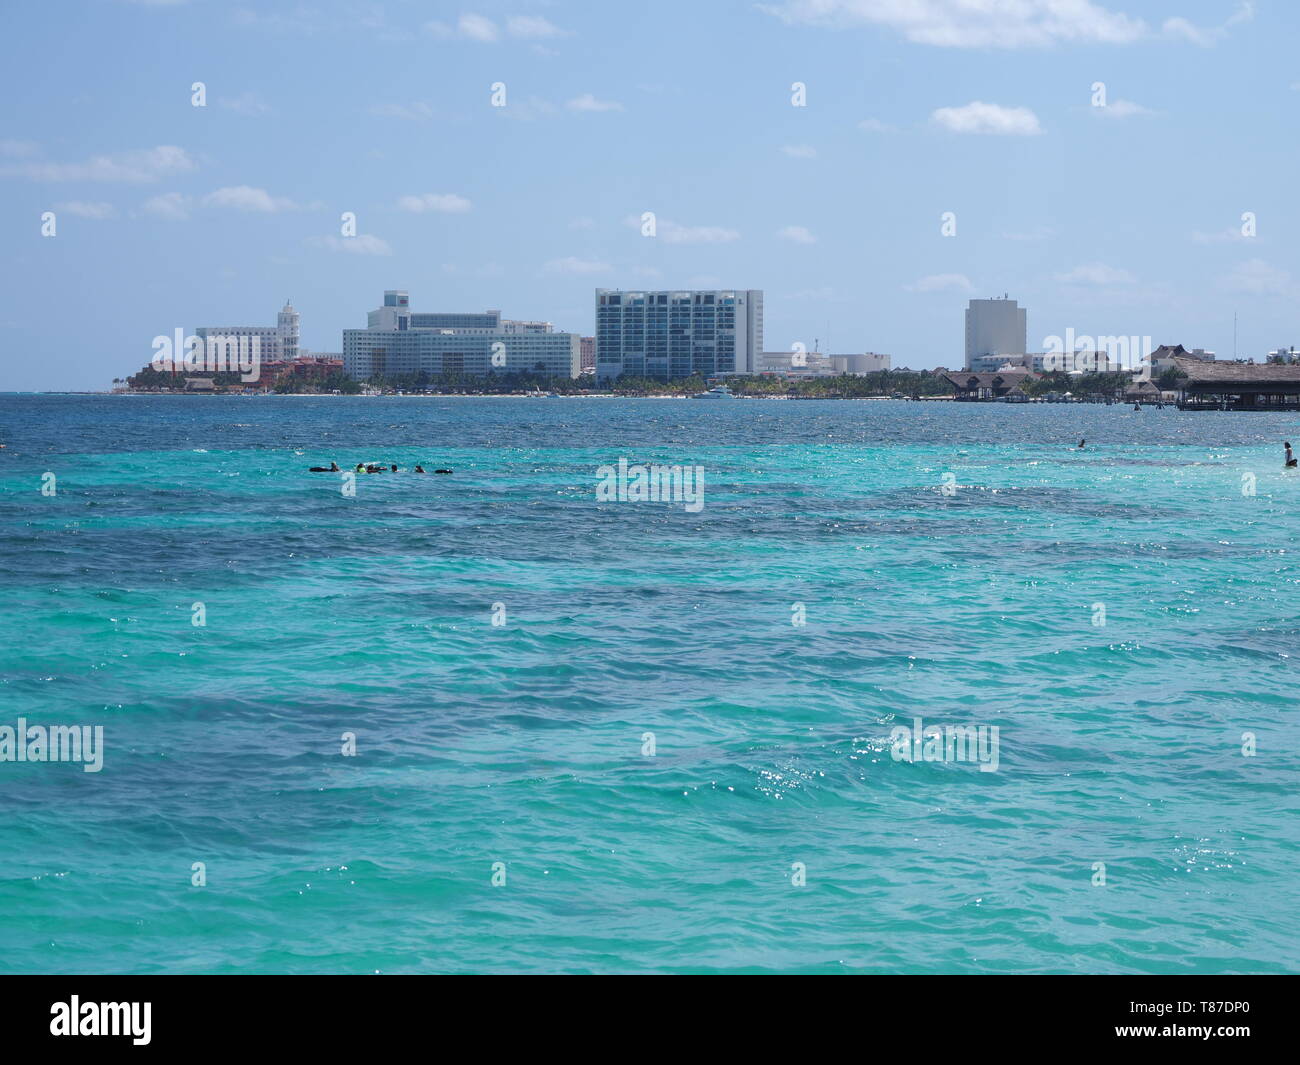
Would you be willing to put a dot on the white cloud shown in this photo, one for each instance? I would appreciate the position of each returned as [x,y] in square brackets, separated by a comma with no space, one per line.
[1230,235]
[361,244]
[1182,29]
[797,234]
[1121,109]
[247,198]
[1259,278]
[471,27]
[100,212]
[247,103]
[145,165]
[417,111]
[1096,274]
[532,108]
[477,28]
[979,117]
[573,265]
[532,27]
[587,102]
[445,202]
[972,23]
[672,233]
[170,205]
[942,283]
[482,29]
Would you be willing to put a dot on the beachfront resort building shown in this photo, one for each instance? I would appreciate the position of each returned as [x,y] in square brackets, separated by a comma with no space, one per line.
[994,327]
[1211,385]
[815,364]
[275,343]
[863,362]
[985,386]
[1081,361]
[1166,357]
[669,334]
[397,340]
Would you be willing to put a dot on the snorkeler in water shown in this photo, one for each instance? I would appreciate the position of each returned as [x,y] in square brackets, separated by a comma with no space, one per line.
[333,467]
[419,469]
[442,471]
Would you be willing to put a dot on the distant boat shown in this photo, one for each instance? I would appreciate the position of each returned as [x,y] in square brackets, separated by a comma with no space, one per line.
[716,392]
[537,393]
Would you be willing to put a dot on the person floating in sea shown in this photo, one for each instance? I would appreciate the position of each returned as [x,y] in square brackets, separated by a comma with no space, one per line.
[1081,443]
[419,469]
[333,467]
[1290,458]
[1137,406]
[361,467]
[442,471]
[394,465]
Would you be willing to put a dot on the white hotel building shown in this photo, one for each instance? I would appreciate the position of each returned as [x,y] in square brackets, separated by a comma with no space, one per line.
[275,342]
[815,364]
[994,327]
[668,334]
[398,340]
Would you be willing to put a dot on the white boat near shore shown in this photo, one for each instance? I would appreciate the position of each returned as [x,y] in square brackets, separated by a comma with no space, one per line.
[716,392]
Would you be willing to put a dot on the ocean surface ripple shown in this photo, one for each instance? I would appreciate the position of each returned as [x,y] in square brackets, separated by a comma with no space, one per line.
[1121,744]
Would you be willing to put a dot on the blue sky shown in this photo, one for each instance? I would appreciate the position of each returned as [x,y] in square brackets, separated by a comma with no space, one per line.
[1122,220]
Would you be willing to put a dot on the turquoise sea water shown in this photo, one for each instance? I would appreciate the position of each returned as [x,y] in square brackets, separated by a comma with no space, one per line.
[522,743]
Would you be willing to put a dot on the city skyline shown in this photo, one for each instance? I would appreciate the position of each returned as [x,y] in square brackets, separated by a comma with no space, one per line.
[869,173]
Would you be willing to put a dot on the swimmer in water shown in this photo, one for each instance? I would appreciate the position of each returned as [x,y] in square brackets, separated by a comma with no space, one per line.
[419,469]
[394,467]
[333,467]
[361,467]
[1290,458]
[442,471]
[1081,443]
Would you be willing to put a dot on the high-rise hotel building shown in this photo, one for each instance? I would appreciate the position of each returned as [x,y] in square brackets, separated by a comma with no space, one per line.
[398,340]
[669,334]
[274,342]
[994,327]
